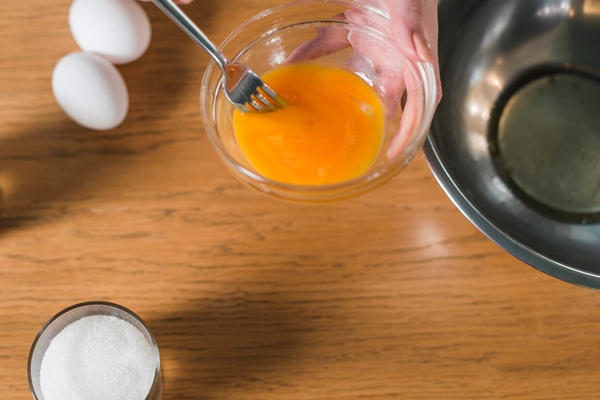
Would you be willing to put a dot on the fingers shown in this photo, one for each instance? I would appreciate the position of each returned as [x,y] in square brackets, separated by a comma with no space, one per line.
[388,80]
[328,41]
[392,85]
[407,22]
[414,27]
[415,31]
[411,114]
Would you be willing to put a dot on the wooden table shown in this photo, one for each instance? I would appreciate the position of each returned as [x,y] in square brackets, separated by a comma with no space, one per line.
[394,295]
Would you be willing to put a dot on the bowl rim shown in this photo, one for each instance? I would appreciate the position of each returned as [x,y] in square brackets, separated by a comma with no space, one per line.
[494,232]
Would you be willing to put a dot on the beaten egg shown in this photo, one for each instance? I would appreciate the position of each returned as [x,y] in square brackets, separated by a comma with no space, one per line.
[331,132]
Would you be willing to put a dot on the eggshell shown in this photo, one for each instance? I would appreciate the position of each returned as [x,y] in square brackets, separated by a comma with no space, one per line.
[90,90]
[118,30]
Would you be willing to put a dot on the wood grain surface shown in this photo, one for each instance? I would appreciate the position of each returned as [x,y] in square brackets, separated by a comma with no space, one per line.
[394,295]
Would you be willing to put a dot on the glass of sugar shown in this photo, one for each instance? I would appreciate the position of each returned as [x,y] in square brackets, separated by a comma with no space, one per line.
[95,351]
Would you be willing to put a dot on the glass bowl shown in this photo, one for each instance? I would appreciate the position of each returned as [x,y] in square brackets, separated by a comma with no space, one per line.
[267,41]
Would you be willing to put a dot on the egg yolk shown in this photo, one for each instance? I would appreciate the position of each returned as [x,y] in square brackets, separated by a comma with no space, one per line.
[331,132]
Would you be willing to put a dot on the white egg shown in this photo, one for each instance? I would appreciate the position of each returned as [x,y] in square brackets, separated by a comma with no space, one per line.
[90,90]
[118,30]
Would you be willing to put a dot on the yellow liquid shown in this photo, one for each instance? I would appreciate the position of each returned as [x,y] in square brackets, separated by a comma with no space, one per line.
[331,132]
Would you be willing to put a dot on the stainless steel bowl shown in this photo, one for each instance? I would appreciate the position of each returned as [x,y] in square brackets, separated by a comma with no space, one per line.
[515,142]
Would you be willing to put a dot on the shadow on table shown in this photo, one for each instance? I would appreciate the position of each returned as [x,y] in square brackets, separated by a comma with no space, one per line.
[46,159]
[220,344]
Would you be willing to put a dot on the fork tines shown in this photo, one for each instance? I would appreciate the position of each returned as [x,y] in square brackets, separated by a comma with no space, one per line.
[265,99]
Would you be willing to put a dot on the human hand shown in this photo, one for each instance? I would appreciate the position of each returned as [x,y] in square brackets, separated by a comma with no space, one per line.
[414,31]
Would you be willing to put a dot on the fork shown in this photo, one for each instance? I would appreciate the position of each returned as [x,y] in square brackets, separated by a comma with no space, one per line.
[242,86]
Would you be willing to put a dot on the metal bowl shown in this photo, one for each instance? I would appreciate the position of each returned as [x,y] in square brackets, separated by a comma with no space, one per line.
[515,142]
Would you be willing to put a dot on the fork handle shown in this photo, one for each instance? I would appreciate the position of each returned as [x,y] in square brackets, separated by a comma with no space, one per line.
[188,26]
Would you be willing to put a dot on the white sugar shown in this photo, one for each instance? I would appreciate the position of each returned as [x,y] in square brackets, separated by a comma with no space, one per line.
[99,357]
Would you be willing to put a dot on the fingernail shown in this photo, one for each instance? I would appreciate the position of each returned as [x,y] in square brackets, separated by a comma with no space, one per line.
[422,47]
